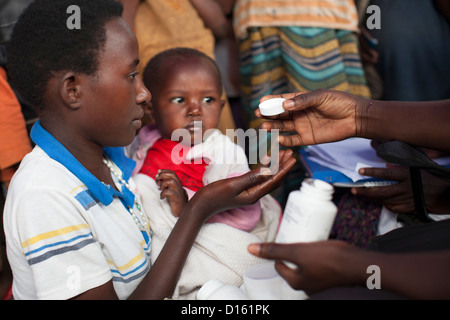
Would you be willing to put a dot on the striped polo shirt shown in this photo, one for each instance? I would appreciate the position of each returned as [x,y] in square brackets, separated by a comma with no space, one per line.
[67,232]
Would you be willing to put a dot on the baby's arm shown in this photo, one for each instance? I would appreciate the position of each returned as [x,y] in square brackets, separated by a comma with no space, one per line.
[171,187]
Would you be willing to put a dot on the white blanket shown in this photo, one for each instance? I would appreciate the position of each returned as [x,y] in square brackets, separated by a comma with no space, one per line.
[219,252]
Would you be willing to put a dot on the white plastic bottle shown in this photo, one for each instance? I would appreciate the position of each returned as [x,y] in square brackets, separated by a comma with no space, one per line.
[309,213]
[217,290]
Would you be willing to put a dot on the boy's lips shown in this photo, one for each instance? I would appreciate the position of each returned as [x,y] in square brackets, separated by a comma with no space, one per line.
[137,122]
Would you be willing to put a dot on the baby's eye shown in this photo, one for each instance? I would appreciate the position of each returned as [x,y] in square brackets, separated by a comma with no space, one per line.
[208,99]
[177,100]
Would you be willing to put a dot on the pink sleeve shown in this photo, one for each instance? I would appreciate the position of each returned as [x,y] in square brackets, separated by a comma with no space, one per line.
[242,218]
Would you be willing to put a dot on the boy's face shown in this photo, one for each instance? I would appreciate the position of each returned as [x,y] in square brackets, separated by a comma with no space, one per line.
[113,97]
[189,92]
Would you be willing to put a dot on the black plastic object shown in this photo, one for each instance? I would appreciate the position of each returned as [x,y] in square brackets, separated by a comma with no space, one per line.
[399,152]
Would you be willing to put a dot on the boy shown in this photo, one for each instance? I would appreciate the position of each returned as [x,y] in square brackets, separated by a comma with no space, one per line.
[73,221]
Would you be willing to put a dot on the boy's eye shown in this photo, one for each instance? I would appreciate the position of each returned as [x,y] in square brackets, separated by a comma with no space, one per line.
[133,75]
[208,99]
[177,100]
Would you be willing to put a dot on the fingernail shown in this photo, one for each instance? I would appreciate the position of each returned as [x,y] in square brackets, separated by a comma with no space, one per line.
[266,172]
[361,171]
[253,248]
[288,104]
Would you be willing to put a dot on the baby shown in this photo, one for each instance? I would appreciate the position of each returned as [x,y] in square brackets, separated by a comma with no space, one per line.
[183,152]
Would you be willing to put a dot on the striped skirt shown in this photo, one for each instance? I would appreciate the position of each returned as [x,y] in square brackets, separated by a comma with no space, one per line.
[275,60]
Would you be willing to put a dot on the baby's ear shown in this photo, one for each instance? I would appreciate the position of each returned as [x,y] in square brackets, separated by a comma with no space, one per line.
[148,118]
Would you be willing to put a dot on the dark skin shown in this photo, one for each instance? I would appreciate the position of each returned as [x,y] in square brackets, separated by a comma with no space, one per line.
[84,130]
[399,198]
[187,90]
[327,264]
[325,116]
[84,116]
[172,190]
[337,116]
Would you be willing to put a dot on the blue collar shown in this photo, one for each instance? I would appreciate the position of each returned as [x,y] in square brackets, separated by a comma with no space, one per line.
[55,150]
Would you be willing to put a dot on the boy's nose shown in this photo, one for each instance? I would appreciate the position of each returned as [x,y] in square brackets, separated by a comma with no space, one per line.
[143,95]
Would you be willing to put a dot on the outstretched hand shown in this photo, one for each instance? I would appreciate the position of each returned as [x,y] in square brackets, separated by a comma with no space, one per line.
[243,190]
[316,117]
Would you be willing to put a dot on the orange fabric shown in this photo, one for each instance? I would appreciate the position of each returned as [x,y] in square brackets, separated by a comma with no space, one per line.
[14,140]
[166,24]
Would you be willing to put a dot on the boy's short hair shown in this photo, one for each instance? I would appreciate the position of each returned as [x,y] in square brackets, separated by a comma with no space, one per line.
[43,44]
[151,72]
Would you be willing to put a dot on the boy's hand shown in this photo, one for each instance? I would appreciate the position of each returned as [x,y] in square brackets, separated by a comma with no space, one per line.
[243,190]
[171,187]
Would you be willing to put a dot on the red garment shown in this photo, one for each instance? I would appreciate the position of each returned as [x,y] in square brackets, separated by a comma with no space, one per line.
[159,156]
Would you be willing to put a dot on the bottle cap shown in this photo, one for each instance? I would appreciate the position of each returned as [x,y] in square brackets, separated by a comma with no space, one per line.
[272,107]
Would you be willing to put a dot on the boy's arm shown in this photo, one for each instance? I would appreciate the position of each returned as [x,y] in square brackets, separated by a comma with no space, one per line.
[161,280]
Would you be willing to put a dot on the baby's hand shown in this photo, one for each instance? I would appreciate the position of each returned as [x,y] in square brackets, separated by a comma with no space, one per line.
[171,187]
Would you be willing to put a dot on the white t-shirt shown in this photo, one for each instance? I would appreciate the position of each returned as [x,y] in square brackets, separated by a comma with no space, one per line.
[66,232]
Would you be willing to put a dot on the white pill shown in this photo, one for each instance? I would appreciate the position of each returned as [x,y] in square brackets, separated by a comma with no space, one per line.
[272,107]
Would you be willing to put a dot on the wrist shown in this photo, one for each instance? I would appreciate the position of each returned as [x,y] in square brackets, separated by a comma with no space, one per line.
[362,116]
[196,209]
[354,263]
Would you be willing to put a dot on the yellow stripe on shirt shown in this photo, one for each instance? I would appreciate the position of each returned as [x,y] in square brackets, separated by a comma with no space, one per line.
[52,234]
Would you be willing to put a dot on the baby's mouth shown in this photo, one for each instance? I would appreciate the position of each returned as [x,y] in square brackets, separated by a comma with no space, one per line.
[195,126]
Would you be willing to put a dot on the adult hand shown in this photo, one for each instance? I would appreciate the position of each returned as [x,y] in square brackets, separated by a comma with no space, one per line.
[321,265]
[243,190]
[399,197]
[317,117]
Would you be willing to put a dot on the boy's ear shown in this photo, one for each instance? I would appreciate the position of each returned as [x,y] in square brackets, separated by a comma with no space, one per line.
[70,90]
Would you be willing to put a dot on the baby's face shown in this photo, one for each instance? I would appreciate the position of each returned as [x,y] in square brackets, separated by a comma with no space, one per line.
[189,98]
